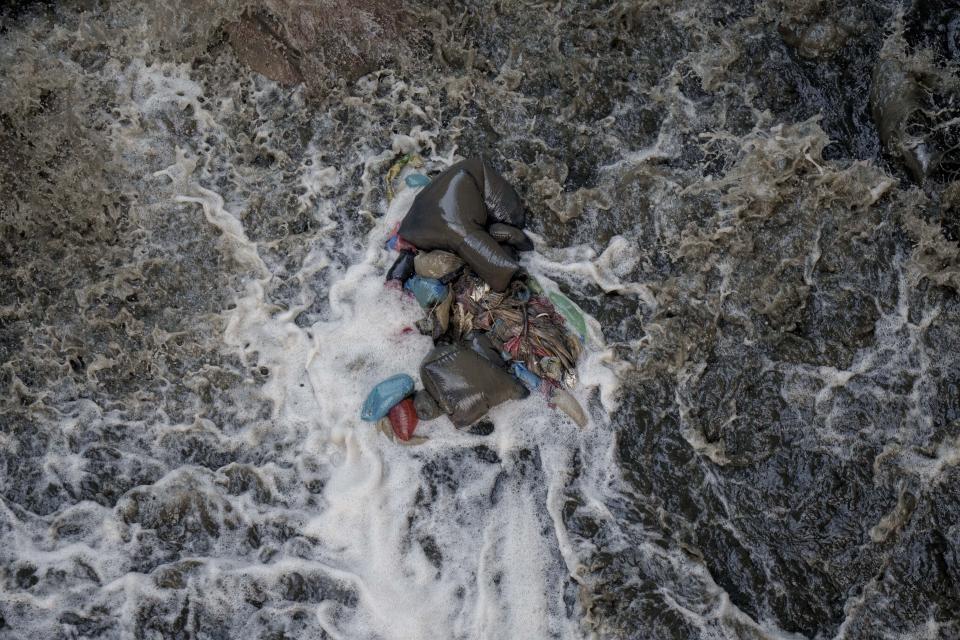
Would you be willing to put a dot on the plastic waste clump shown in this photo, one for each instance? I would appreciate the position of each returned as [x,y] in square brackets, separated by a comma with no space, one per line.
[498,334]
[454,212]
[466,385]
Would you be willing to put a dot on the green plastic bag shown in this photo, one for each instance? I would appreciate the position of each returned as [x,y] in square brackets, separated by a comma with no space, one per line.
[534,286]
[569,311]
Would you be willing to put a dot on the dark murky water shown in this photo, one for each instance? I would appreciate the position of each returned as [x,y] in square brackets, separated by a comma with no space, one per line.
[784,460]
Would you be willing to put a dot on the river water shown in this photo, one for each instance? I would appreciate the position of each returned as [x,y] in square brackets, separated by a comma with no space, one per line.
[192,310]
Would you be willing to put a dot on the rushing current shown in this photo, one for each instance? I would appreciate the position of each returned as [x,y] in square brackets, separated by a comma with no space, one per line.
[756,203]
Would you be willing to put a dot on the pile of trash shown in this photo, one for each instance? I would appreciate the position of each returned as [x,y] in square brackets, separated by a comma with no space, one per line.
[497,334]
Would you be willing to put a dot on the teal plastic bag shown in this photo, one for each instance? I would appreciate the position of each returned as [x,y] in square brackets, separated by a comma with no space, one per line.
[417,180]
[427,291]
[569,311]
[385,395]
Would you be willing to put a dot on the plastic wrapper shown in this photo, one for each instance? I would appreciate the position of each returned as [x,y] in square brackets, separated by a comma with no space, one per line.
[465,384]
[436,264]
[529,379]
[425,406]
[385,395]
[562,399]
[427,291]
[415,180]
[403,419]
[453,213]
[510,235]
[570,312]
[481,343]
[402,268]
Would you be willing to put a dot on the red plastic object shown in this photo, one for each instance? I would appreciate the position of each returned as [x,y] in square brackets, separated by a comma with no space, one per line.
[546,388]
[403,419]
[396,243]
[512,346]
[403,245]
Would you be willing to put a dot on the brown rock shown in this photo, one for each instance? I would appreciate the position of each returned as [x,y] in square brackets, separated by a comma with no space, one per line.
[257,39]
[292,41]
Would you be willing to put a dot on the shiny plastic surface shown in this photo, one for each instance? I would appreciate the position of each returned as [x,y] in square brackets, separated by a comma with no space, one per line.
[465,384]
[385,395]
[453,212]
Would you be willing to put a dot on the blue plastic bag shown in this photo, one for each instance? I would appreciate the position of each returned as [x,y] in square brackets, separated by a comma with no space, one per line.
[417,180]
[427,291]
[385,395]
[529,379]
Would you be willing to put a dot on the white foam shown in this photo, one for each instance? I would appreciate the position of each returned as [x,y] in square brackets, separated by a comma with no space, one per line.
[504,561]
[605,270]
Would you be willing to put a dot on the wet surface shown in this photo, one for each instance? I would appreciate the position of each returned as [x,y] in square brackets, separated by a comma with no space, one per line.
[779,293]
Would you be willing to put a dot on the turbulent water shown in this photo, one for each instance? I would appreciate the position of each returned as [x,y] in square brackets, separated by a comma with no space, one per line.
[192,309]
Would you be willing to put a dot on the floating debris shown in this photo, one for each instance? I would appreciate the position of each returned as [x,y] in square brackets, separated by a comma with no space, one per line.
[569,311]
[425,406]
[403,419]
[510,235]
[427,291]
[494,341]
[466,385]
[453,214]
[396,243]
[384,426]
[411,159]
[402,268]
[551,368]
[385,395]
[529,327]
[415,180]
[442,312]
[529,379]
[569,405]
[436,264]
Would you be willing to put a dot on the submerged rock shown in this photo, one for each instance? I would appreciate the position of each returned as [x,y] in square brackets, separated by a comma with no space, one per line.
[479,428]
[818,32]
[257,39]
[293,42]
[934,24]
